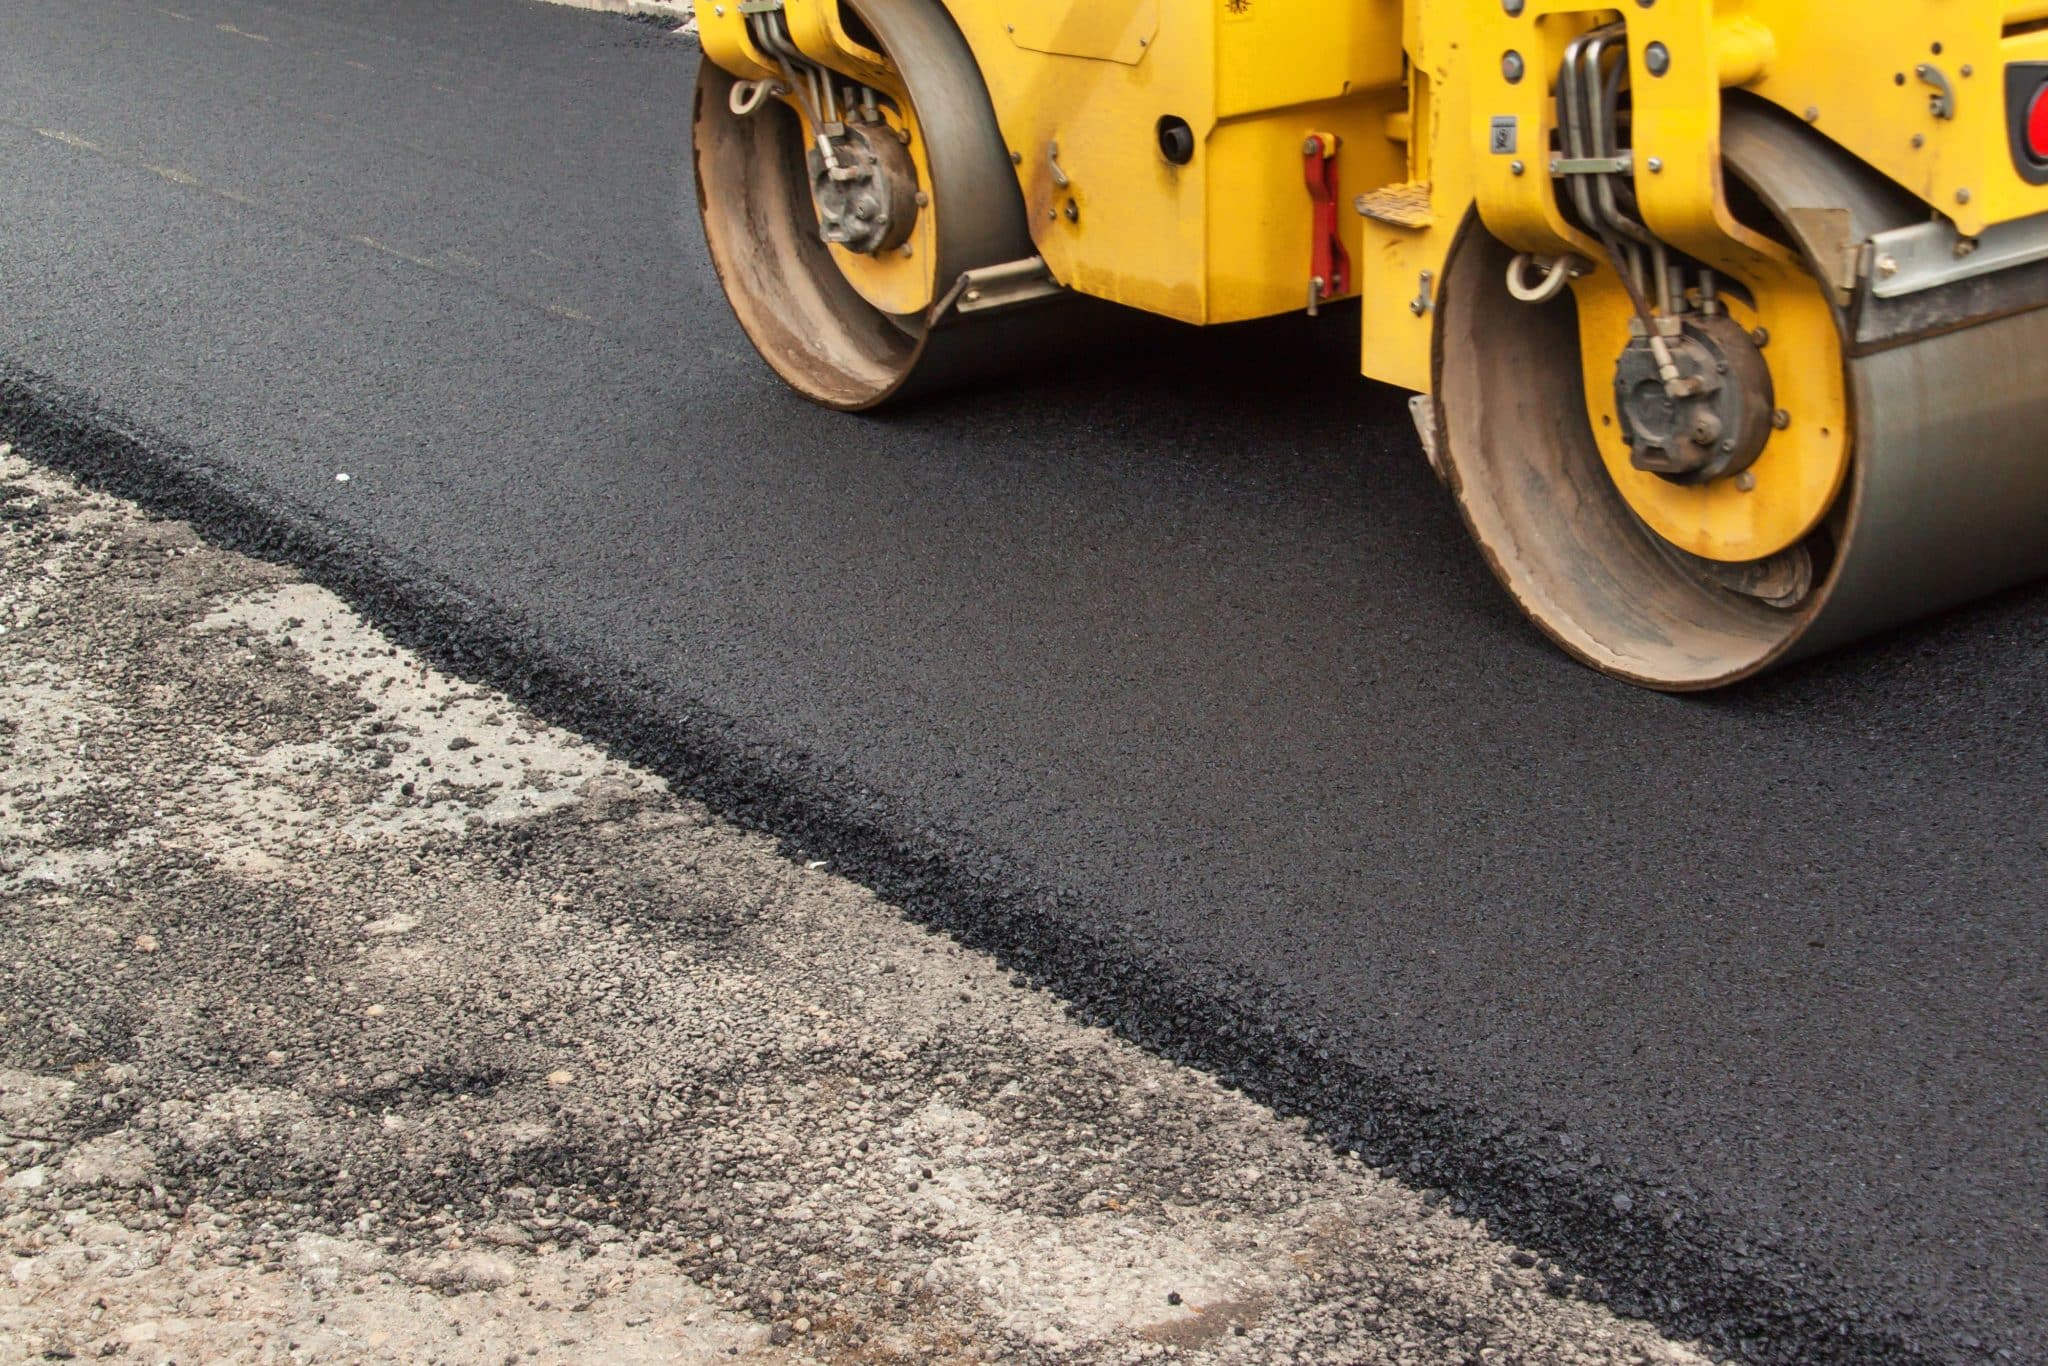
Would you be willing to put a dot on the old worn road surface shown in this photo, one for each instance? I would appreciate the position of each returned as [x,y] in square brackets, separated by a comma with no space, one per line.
[1172,680]
[351,1014]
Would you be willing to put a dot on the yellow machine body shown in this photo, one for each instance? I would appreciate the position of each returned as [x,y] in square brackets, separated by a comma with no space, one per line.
[1410,91]
[1432,119]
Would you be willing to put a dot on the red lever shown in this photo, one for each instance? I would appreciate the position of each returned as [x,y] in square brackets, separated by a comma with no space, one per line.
[1329,263]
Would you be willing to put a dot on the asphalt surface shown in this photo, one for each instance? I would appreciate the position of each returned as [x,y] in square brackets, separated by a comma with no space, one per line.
[1168,675]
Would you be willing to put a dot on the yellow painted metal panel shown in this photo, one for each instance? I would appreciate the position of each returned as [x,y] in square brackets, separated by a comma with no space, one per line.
[1227,236]
[1398,269]
[722,32]
[1260,228]
[818,28]
[1870,86]
[1136,231]
[1859,84]
[1106,30]
[1275,53]
[1136,235]
[1856,80]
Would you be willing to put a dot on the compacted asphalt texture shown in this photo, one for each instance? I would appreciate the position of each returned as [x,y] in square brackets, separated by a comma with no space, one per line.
[1167,674]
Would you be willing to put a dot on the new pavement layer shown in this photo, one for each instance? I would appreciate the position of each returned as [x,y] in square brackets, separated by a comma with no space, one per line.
[1168,673]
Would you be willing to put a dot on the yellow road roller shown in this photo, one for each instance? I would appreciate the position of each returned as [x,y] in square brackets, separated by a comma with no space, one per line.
[1726,320]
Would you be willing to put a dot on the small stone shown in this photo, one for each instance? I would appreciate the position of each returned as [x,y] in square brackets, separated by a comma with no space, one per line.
[779,1335]
[109,1161]
[505,1233]
[1623,1203]
[390,925]
[1523,1259]
[561,1078]
[373,1011]
[454,1273]
[274,1057]
[801,1325]
[318,1251]
[32,1178]
[1173,1297]
[145,943]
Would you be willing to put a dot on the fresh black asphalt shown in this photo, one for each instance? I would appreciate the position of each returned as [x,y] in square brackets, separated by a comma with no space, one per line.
[1167,674]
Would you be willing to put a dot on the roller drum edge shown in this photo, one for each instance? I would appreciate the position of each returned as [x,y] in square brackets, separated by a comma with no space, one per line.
[1950,493]
[1948,490]
[802,315]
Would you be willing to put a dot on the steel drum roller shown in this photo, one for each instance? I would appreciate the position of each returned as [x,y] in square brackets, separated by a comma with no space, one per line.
[1946,497]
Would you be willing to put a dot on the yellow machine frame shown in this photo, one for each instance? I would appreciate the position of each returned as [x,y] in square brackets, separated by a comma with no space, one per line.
[1410,91]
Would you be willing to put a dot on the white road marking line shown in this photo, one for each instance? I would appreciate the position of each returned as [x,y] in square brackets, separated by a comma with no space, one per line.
[453,266]
[424,262]
[70,139]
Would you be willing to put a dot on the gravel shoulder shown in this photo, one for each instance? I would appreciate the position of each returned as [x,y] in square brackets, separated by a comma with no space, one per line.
[348,1012]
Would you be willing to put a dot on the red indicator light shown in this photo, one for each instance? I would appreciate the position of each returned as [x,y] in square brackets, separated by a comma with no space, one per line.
[2037,125]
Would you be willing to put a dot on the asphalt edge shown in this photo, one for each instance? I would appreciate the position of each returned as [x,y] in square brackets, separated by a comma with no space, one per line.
[679,11]
[1619,1240]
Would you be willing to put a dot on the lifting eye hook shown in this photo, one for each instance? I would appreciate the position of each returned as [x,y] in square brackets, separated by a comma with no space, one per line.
[747,96]
[1558,271]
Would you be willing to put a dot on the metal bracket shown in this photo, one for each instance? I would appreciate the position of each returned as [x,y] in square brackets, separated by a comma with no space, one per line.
[1422,407]
[1838,254]
[1942,103]
[1052,159]
[1425,287]
[1625,164]
[1908,260]
[999,286]
[1329,261]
